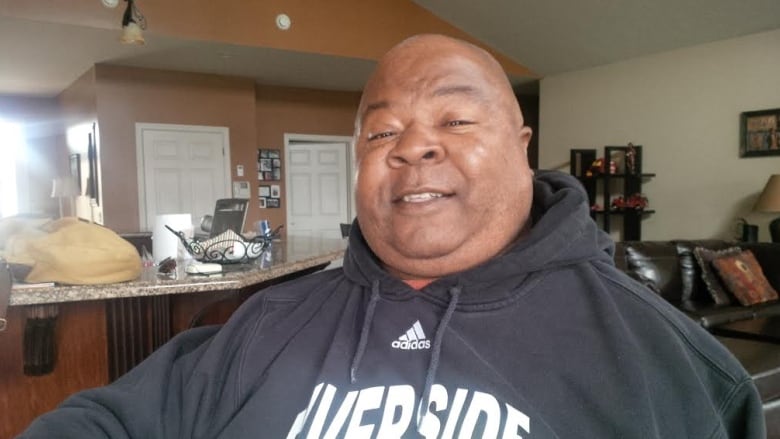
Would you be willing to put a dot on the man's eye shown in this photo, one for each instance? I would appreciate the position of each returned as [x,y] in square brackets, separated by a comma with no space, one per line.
[457,123]
[381,135]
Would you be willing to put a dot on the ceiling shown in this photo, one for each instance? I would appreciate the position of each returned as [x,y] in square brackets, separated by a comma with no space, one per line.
[549,37]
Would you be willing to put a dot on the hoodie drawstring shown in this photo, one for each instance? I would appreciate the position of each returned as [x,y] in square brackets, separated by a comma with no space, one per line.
[433,365]
[361,348]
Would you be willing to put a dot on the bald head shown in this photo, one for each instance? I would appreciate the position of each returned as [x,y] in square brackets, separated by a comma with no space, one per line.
[412,54]
[443,180]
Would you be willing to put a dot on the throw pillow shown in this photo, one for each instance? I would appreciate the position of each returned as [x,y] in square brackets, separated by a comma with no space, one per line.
[704,257]
[744,278]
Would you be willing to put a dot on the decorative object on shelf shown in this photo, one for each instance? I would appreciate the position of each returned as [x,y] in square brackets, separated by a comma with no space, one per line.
[769,201]
[597,168]
[631,159]
[759,133]
[635,202]
[619,189]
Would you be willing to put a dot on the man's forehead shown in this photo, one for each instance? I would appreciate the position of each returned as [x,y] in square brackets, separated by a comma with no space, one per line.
[438,81]
[379,100]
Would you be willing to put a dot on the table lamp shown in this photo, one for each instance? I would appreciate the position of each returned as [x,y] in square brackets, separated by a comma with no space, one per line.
[769,201]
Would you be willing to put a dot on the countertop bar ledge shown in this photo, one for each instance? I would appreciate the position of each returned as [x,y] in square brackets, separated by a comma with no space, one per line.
[287,256]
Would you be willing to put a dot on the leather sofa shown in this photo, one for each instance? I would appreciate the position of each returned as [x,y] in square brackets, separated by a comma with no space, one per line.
[751,333]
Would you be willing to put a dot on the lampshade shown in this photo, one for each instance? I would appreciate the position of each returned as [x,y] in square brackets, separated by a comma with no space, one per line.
[769,200]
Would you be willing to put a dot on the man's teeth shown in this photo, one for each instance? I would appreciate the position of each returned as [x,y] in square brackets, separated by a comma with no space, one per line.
[417,198]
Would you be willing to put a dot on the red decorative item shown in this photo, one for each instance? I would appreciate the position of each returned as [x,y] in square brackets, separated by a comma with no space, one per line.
[635,201]
[618,203]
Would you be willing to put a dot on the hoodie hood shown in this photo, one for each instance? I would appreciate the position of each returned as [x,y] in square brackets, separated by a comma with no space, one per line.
[562,233]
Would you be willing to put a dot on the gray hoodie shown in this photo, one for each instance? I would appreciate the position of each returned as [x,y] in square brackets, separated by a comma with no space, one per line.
[548,340]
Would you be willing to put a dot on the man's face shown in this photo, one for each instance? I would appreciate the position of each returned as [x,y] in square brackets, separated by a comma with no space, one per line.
[443,181]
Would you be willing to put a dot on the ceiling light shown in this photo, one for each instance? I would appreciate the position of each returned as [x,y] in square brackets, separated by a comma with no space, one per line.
[133,25]
[283,21]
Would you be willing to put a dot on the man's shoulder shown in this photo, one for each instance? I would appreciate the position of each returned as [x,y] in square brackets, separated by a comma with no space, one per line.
[292,293]
[303,287]
[650,314]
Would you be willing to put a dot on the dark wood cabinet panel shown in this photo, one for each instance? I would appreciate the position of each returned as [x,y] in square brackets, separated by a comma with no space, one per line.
[81,362]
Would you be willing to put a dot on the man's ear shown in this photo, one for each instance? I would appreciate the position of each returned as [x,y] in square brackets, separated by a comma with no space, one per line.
[525,137]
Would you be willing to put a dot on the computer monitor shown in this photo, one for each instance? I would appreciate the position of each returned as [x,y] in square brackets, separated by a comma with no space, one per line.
[229,213]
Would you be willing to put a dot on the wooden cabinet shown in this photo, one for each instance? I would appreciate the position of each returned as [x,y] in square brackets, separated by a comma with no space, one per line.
[614,188]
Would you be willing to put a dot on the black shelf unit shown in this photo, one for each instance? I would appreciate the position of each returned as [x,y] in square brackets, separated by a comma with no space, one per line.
[624,179]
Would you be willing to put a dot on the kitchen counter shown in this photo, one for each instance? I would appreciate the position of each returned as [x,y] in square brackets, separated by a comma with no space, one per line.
[288,256]
[63,339]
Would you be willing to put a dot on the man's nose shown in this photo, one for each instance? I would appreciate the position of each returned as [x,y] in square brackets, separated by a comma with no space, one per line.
[416,146]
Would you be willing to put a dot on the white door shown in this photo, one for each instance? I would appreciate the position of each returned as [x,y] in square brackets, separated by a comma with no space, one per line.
[318,188]
[182,169]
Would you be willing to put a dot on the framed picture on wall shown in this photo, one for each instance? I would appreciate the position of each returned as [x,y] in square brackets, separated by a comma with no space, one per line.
[269,164]
[759,133]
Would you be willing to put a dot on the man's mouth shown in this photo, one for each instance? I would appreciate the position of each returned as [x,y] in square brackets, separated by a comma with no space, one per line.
[419,198]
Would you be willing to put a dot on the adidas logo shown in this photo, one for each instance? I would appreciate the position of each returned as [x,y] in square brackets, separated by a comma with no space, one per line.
[414,339]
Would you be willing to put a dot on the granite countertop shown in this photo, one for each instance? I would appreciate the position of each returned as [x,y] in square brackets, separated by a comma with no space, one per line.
[287,256]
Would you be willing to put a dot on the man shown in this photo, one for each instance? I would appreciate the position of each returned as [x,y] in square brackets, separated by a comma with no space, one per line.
[475,300]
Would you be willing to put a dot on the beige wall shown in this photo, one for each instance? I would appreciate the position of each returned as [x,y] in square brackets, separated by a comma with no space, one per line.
[256,117]
[126,96]
[683,106]
[283,110]
[119,97]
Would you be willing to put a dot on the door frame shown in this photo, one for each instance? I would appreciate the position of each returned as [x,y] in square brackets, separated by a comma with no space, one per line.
[321,138]
[140,127]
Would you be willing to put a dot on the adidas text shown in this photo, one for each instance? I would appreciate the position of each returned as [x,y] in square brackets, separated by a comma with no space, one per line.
[407,345]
